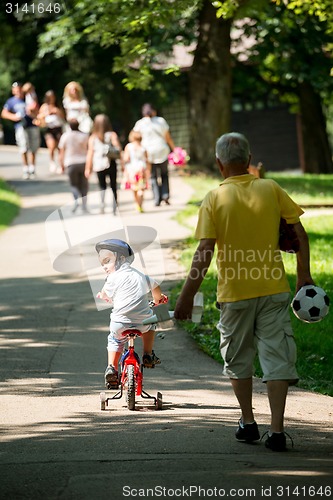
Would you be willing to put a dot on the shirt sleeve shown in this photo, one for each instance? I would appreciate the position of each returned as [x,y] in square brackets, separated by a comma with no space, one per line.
[206,226]
[151,282]
[290,211]
[163,123]
[110,287]
[7,106]
[137,127]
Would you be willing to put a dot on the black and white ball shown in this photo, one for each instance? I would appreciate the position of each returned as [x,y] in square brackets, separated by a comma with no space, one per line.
[310,304]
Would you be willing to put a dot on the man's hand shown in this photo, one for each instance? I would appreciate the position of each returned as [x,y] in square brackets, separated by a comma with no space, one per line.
[183,308]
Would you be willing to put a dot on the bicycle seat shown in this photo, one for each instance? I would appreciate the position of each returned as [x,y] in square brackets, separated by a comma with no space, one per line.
[132,332]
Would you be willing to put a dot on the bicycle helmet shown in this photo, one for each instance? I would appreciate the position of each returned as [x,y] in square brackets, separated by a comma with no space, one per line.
[119,247]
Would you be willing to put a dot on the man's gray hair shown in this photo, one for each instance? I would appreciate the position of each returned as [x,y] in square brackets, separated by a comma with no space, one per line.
[233,148]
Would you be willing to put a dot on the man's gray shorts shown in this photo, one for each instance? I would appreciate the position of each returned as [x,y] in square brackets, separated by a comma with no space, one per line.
[27,139]
[260,324]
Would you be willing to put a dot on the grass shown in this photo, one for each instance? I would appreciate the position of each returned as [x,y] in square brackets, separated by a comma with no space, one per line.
[9,205]
[314,341]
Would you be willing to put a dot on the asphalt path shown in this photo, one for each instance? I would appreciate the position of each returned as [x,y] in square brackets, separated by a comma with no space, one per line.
[56,443]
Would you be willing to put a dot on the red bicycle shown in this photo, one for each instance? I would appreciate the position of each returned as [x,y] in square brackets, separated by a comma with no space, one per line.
[131,379]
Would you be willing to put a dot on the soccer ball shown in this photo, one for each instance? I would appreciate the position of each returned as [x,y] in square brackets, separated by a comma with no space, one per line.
[310,304]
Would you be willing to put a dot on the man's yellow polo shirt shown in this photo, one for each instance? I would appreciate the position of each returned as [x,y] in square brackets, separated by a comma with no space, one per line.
[243,215]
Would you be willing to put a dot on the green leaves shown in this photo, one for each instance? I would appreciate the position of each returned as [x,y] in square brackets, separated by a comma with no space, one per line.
[58,38]
[144,31]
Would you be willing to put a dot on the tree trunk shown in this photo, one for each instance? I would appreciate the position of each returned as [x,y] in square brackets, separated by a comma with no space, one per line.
[210,86]
[317,152]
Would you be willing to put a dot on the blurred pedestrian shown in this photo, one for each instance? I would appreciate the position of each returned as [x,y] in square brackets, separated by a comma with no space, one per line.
[76,106]
[99,159]
[136,167]
[31,99]
[73,147]
[27,135]
[157,140]
[51,118]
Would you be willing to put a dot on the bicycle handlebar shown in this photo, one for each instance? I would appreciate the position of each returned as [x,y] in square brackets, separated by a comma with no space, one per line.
[162,313]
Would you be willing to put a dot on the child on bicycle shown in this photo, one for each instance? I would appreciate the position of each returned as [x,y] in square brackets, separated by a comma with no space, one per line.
[127,290]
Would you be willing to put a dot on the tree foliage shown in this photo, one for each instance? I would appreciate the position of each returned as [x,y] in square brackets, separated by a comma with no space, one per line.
[291,48]
[293,56]
[109,43]
[143,31]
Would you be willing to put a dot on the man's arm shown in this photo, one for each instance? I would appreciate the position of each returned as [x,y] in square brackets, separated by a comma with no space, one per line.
[200,264]
[169,140]
[62,157]
[8,115]
[303,258]
[89,157]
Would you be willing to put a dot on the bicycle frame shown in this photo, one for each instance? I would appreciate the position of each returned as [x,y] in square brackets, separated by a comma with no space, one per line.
[130,357]
[131,378]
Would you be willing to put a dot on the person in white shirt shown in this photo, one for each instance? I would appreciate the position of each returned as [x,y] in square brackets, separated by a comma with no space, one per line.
[98,161]
[127,290]
[76,106]
[157,140]
[73,147]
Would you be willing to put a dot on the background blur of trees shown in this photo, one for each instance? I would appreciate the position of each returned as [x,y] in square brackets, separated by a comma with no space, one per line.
[116,49]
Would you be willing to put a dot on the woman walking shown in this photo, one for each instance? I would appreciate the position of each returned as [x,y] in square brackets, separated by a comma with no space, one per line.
[98,157]
[52,118]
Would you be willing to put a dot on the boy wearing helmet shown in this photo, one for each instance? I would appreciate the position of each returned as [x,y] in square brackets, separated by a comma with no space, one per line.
[127,289]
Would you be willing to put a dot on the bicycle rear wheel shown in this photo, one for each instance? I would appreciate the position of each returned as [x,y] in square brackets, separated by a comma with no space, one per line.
[131,389]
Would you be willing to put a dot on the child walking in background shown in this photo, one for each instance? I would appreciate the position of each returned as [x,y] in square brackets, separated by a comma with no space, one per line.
[127,290]
[137,167]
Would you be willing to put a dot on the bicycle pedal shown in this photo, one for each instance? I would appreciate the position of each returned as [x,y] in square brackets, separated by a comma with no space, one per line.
[111,385]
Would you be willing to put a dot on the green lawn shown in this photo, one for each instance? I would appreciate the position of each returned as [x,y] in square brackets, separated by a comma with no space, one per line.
[314,341]
[9,204]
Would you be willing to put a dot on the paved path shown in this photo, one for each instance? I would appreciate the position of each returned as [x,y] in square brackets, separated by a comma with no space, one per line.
[57,444]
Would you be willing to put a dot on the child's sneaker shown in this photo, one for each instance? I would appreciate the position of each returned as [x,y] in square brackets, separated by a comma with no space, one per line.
[111,378]
[247,432]
[150,360]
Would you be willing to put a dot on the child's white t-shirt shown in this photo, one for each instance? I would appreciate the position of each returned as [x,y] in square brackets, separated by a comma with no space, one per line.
[128,288]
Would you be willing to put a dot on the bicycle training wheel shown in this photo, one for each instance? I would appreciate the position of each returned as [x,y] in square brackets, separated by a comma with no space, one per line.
[102,398]
[159,401]
[130,387]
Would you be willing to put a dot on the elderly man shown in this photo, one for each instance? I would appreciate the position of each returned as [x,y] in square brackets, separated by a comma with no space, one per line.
[242,217]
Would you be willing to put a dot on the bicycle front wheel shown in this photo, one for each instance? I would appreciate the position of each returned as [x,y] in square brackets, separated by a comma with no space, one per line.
[131,389]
